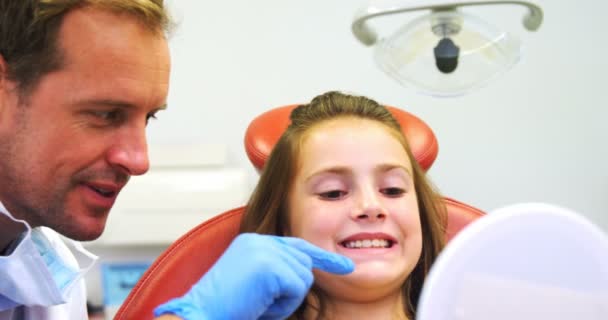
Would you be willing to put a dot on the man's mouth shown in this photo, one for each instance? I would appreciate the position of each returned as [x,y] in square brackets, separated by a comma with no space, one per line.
[104,192]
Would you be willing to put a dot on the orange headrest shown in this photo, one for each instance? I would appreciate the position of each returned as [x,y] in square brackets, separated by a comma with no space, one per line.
[264,131]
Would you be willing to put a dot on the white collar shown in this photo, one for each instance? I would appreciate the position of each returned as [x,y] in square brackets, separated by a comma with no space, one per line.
[84,256]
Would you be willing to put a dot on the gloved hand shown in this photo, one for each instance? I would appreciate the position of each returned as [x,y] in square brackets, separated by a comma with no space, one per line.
[257,277]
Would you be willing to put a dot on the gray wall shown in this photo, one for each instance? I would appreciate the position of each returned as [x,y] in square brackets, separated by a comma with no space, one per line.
[535,134]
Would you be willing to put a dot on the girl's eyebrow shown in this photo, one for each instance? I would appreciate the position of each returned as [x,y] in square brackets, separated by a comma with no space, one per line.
[389,166]
[342,170]
[338,170]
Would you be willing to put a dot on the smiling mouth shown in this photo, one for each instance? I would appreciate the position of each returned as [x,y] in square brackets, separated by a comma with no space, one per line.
[368,243]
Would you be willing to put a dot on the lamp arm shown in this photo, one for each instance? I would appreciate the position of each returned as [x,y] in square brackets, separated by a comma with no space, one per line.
[366,35]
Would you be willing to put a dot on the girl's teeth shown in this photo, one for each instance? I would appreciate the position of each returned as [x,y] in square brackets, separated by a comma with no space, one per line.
[367,243]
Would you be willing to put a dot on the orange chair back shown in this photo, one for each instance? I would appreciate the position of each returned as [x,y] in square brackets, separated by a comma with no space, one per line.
[265,130]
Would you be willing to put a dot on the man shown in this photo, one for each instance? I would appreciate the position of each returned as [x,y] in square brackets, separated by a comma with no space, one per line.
[79,81]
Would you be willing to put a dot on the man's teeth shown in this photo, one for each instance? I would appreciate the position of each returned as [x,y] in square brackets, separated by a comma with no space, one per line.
[375,243]
[104,192]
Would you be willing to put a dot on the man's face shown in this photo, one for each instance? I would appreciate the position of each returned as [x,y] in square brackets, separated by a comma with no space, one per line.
[68,148]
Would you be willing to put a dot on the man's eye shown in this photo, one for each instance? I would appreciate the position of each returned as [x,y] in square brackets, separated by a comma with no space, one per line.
[332,195]
[151,116]
[109,116]
[393,192]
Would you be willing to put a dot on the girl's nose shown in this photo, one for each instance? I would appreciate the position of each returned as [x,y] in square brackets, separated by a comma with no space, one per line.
[369,208]
[371,216]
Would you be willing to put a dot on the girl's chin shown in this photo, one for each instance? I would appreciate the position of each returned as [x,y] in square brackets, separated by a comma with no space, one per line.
[372,279]
[364,277]
[377,273]
[360,288]
[377,266]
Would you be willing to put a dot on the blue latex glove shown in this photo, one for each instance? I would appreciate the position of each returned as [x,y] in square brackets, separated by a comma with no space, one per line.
[257,277]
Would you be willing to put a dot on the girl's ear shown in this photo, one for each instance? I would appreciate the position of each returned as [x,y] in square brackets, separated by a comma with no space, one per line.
[286,231]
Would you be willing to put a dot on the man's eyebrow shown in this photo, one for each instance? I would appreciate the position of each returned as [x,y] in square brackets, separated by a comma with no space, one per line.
[115,103]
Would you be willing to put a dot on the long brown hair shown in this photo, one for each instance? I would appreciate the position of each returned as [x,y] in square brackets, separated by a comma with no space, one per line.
[266,211]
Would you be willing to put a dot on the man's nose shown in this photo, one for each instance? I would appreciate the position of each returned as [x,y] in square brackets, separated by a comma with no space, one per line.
[129,152]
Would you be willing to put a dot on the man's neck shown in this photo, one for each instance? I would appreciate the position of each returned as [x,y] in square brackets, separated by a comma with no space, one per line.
[9,231]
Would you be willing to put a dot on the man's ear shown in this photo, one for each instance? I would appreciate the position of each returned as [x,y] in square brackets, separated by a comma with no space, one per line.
[3,76]
[7,88]
[5,82]
[3,70]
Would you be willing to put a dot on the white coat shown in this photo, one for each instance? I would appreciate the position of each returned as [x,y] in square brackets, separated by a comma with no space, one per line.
[75,308]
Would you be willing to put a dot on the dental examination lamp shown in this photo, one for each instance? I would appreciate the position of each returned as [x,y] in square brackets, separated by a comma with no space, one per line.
[445,52]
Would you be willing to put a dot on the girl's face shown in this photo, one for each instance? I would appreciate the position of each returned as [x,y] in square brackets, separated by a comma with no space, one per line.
[354,194]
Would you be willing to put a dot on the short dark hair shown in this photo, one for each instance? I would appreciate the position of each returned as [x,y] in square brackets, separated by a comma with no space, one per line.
[29,29]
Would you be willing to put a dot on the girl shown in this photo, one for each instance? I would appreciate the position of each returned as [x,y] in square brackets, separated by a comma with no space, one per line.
[342,177]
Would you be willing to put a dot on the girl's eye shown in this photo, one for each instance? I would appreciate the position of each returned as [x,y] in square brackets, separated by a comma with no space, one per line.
[332,195]
[393,192]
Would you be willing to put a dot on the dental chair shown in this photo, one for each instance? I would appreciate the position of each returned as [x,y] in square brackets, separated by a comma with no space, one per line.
[188,259]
